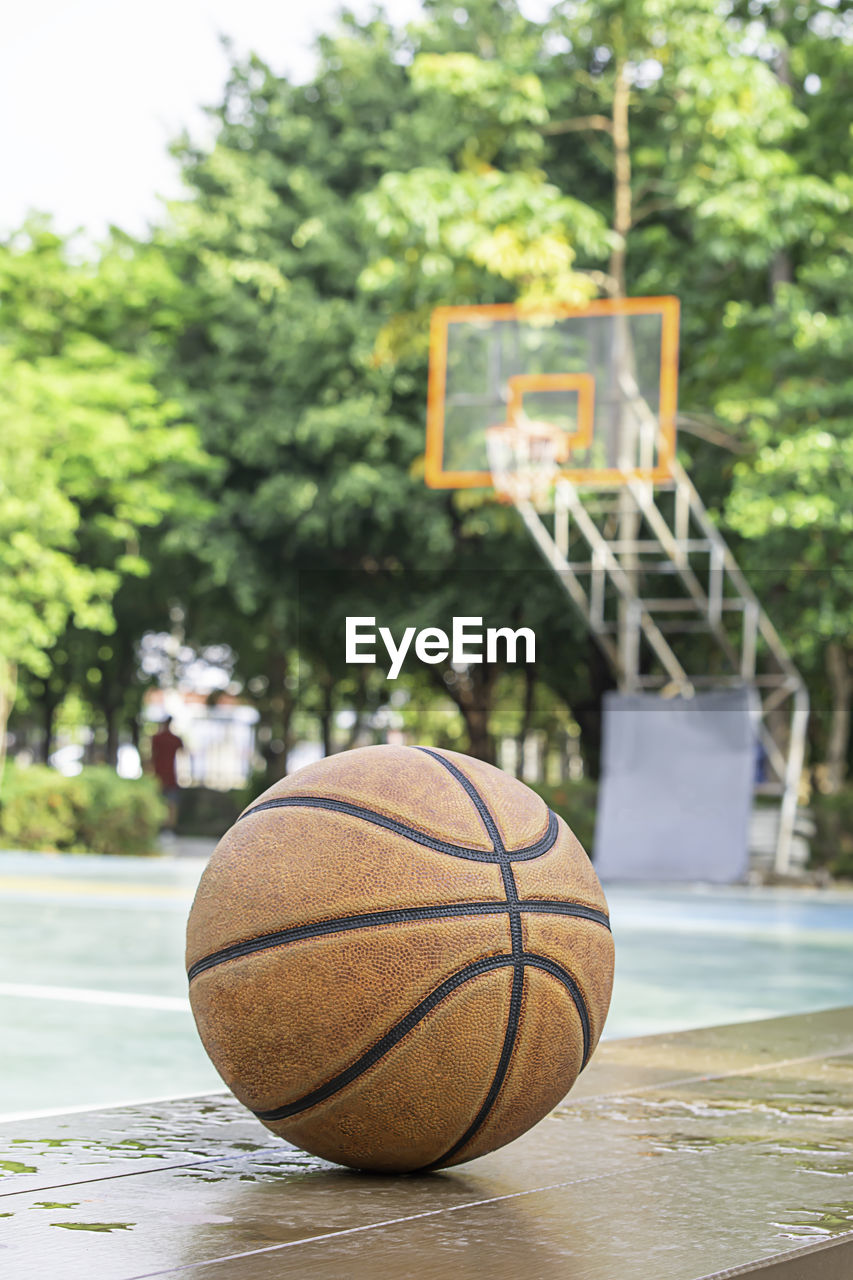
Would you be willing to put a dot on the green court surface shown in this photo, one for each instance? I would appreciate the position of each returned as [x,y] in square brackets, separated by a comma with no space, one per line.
[93,994]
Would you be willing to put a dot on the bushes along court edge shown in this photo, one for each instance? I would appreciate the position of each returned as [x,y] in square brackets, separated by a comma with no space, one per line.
[94,812]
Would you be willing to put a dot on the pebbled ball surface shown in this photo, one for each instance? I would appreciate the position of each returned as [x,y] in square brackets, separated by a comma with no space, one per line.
[399,958]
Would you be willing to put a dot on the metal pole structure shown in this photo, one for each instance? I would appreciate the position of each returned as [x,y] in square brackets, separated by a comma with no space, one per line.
[796,754]
[598,565]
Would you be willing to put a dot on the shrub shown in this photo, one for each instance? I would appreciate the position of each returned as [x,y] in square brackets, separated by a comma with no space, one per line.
[94,812]
[38,809]
[121,815]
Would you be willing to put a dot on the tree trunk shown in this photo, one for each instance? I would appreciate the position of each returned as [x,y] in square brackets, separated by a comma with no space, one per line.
[526,717]
[588,711]
[781,272]
[287,730]
[8,685]
[111,721]
[359,708]
[327,716]
[473,692]
[480,744]
[626,443]
[273,752]
[277,716]
[838,671]
[781,266]
[48,714]
[622,203]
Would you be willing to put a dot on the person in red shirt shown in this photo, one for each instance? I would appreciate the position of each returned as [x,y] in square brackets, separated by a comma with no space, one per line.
[165,746]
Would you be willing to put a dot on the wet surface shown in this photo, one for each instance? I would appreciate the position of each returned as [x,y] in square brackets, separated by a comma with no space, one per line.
[675,1158]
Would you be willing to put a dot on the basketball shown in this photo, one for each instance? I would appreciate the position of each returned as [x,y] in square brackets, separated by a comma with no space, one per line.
[399,958]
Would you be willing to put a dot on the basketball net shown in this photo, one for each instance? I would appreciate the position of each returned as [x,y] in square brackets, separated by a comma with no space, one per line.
[524,458]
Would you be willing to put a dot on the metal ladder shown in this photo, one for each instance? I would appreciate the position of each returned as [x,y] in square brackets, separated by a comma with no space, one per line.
[672,611]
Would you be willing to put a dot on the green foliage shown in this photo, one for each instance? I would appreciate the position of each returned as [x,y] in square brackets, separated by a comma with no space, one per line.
[792,497]
[90,451]
[451,237]
[41,582]
[484,107]
[94,812]
[308,376]
[102,475]
[118,815]
[40,809]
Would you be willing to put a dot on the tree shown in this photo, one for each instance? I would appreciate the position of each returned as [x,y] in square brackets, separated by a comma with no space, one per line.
[793,493]
[91,453]
[792,498]
[682,136]
[478,156]
[304,375]
[730,183]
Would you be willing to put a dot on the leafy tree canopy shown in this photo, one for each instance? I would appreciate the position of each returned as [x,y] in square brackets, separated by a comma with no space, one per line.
[91,453]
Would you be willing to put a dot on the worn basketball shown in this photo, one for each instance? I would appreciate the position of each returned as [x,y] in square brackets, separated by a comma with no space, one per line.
[399,958]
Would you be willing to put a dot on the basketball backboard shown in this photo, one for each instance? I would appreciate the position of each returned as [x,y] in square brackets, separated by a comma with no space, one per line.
[605,375]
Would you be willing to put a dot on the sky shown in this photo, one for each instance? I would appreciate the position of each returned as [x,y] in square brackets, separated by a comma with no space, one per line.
[92,92]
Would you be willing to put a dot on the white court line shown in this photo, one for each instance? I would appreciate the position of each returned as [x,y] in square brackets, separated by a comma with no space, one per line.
[84,995]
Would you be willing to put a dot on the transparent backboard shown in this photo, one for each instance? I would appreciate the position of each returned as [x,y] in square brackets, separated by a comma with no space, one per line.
[605,375]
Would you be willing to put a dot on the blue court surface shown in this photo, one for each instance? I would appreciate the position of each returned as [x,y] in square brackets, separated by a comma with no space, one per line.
[93,995]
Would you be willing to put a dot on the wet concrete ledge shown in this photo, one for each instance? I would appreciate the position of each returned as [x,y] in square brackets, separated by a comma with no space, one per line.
[722,1152]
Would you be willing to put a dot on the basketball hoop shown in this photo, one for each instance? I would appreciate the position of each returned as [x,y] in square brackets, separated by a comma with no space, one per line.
[525,457]
[605,374]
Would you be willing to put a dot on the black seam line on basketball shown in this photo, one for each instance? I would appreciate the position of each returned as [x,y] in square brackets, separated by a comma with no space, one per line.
[580,910]
[371,919]
[420,1011]
[375,919]
[542,845]
[482,808]
[391,1038]
[512,904]
[500,1073]
[557,971]
[512,1019]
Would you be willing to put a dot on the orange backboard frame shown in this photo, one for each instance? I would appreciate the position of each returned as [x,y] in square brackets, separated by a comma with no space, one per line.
[443,317]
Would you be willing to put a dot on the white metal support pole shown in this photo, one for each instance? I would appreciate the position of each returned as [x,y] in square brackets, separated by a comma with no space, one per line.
[596,589]
[715,584]
[631,645]
[561,524]
[750,635]
[682,513]
[796,753]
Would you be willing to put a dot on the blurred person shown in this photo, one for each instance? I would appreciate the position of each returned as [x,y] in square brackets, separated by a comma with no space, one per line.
[165,746]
